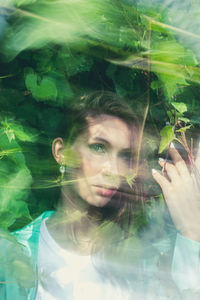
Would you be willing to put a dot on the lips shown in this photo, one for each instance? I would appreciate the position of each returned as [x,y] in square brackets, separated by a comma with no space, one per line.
[105,191]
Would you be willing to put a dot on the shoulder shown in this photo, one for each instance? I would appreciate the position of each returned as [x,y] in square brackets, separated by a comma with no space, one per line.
[28,235]
[34,224]
[32,229]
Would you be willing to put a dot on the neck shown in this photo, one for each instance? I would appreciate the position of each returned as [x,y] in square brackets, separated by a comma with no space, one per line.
[74,224]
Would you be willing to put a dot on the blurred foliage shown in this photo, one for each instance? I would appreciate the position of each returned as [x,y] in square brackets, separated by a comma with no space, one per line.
[54,51]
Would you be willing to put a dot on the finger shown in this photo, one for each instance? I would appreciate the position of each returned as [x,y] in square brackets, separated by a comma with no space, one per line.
[171,170]
[162,181]
[178,161]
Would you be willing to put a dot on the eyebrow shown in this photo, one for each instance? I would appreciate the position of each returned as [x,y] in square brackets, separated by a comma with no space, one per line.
[100,139]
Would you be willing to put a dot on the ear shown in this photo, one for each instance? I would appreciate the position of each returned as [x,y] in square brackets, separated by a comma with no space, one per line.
[58,150]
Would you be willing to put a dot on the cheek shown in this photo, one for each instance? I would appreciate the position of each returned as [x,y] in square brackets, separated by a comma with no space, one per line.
[90,167]
[123,168]
[90,164]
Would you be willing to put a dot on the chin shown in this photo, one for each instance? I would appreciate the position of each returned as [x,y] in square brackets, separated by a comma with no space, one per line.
[99,201]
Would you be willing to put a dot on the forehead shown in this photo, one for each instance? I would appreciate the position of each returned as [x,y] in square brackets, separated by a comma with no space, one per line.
[114,130]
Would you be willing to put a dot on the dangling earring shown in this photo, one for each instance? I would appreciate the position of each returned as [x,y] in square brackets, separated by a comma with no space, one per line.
[62,169]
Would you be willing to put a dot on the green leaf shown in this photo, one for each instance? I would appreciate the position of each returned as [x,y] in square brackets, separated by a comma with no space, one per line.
[167,136]
[12,151]
[31,81]
[73,63]
[10,134]
[184,128]
[23,2]
[180,106]
[22,134]
[15,188]
[45,90]
[156,84]
[185,120]
[171,116]
[173,56]
[13,130]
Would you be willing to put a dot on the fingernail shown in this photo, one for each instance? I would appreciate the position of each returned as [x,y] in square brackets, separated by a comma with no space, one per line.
[172,145]
[154,171]
[161,159]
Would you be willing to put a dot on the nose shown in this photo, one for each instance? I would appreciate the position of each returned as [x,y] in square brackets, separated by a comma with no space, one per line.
[111,171]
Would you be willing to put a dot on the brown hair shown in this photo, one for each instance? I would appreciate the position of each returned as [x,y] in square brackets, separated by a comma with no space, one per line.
[94,104]
[119,210]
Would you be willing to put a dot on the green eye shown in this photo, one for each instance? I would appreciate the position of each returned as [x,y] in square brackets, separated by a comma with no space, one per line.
[99,148]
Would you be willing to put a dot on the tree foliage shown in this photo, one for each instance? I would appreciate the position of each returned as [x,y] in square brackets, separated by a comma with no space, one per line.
[54,51]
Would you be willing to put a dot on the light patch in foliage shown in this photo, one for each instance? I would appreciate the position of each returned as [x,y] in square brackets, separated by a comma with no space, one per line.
[76,23]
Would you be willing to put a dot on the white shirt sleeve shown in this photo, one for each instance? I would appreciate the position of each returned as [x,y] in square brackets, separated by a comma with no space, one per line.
[186,263]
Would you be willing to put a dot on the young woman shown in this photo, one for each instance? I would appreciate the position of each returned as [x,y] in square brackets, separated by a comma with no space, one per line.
[89,247]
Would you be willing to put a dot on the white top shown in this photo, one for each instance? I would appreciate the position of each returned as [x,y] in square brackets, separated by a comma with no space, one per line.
[186,263]
[64,275]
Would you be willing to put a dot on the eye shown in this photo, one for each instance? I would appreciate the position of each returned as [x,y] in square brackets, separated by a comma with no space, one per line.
[97,147]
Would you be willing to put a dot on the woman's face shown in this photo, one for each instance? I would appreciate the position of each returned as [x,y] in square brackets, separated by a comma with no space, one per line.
[104,152]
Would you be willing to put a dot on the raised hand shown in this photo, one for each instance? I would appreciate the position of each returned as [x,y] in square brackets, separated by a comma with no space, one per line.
[181,191]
